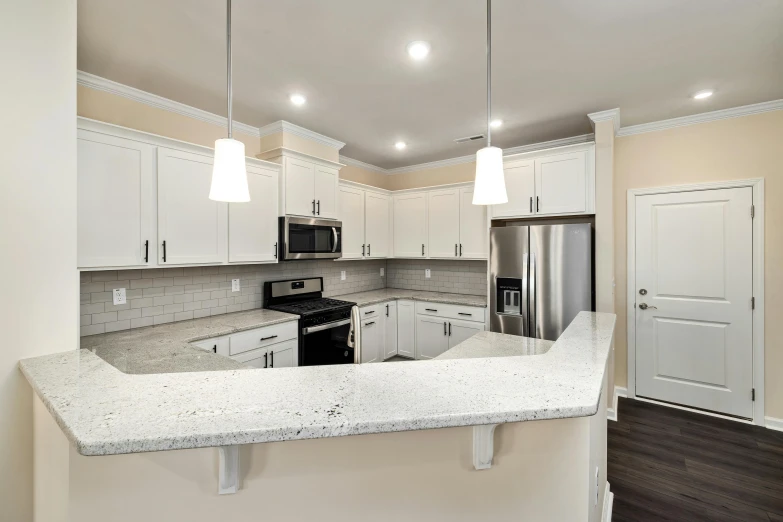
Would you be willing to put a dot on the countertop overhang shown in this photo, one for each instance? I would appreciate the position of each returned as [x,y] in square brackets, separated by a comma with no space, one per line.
[104,411]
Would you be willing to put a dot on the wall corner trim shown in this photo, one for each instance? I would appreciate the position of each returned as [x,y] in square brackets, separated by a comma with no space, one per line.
[612,115]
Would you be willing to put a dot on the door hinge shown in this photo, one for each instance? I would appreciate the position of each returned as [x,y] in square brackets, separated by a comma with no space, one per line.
[753,394]
[752,303]
[752,211]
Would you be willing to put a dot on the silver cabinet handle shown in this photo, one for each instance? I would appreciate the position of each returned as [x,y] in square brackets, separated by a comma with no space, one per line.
[645,306]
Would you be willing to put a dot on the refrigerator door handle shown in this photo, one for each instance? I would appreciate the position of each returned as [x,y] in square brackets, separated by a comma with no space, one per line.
[524,306]
[533,321]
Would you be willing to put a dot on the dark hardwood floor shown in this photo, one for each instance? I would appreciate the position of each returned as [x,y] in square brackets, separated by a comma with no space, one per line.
[669,464]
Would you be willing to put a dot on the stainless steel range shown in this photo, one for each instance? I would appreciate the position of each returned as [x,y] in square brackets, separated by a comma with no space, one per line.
[324,324]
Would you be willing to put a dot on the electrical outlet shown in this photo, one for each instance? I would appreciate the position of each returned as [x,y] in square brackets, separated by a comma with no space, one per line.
[427,273]
[235,285]
[382,271]
[342,275]
[118,296]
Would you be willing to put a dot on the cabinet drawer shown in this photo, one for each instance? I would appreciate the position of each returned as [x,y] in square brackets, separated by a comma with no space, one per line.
[465,313]
[217,345]
[262,337]
[373,311]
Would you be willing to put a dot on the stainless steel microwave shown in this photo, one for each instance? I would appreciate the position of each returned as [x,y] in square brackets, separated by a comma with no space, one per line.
[309,238]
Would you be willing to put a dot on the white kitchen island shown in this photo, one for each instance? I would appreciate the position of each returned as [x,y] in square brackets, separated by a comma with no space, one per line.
[389,441]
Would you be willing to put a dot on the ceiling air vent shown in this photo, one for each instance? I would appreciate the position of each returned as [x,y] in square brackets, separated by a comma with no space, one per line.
[470,138]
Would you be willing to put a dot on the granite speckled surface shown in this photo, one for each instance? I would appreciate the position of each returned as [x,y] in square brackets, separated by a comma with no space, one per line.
[388,294]
[493,344]
[167,349]
[104,411]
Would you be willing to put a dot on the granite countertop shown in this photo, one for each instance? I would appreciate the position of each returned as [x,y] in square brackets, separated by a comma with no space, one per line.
[104,411]
[389,294]
[166,348]
[493,344]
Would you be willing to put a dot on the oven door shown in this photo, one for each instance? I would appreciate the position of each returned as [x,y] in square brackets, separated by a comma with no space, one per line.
[326,344]
[307,238]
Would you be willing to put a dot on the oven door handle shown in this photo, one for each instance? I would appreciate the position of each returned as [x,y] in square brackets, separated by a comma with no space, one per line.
[327,326]
[334,235]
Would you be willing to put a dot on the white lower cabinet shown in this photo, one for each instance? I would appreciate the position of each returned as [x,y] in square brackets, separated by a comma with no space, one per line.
[390,329]
[462,330]
[431,336]
[275,346]
[406,329]
[372,334]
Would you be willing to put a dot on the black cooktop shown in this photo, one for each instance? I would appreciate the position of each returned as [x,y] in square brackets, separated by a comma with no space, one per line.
[312,306]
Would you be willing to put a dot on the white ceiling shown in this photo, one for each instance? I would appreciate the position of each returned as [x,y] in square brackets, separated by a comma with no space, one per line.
[553,62]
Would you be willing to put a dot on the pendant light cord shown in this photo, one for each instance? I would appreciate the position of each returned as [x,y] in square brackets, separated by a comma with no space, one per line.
[489,71]
[228,62]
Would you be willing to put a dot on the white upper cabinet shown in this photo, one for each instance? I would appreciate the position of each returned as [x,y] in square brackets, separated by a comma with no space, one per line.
[115,201]
[299,187]
[252,226]
[473,240]
[325,193]
[410,225]
[192,229]
[521,190]
[561,184]
[444,221]
[550,184]
[352,218]
[377,223]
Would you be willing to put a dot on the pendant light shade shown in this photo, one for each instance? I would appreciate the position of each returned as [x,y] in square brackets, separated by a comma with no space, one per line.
[229,173]
[490,185]
[489,188]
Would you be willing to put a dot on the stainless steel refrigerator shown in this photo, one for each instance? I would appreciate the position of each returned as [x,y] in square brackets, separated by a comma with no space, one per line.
[540,277]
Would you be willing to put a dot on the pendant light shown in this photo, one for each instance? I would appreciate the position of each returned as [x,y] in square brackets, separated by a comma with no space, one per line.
[489,188]
[229,173]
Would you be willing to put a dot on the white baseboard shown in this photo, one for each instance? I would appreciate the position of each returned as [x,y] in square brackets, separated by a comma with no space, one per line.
[773,423]
[606,514]
[611,413]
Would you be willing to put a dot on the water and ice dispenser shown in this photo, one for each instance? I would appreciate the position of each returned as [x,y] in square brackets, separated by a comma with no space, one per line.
[509,296]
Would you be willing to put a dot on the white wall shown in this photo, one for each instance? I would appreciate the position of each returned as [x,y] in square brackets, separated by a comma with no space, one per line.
[38,280]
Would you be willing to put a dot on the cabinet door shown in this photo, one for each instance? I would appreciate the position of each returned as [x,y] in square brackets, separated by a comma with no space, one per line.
[520,187]
[299,187]
[193,226]
[462,330]
[472,227]
[252,226]
[410,225]
[283,355]
[444,223]
[377,217]
[352,218]
[431,336]
[326,179]
[561,183]
[390,329]
[372,340]
[255,358]
[114,201]
[406,329]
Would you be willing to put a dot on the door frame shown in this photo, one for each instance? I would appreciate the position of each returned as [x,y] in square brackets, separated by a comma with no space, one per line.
[757,184]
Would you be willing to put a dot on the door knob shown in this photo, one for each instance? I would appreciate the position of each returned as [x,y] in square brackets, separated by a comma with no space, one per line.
[645,306]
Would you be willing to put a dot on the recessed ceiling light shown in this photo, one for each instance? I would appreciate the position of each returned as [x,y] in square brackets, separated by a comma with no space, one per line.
[496,123]
[298,99]
[418,50]
[702,94]
[400,145]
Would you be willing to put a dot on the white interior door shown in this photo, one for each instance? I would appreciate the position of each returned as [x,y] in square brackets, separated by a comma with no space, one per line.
[299,187]
[694,276]
[194,227]
[115,201]
[444,223]
[352,218]
[521,190]
[377,216]
[561,184]
[252,226]
[326,179]
[472,227]
[410,225]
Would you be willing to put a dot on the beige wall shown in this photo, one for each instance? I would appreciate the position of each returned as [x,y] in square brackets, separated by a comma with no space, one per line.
[367,177]
[733,149]
[431,177]
[37,220]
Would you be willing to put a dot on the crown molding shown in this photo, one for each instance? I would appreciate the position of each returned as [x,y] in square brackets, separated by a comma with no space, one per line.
[153,100]
[704,117]
[271,154]
[533,147]
[611,114]
[363,165]
[290,128]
